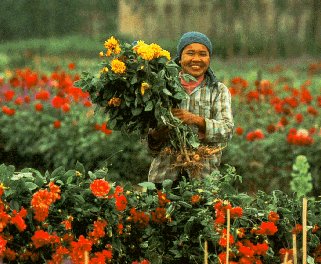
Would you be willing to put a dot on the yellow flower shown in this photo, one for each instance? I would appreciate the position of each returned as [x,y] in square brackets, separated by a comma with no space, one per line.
[111,43]
[101,54]
[138,44]
[115,101]
[108,53]
[145,51]
[112,46]
[117,66]
[144,86]
[157,50]
[166,54]
[104,70]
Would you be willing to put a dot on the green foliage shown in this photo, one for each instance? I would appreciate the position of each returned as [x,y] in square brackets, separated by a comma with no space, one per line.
[301,182]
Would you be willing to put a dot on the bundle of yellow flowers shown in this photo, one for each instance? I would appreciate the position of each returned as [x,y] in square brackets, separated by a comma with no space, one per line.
[136,86]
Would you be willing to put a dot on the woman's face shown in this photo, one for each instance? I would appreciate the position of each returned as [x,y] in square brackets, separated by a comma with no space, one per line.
[195,59]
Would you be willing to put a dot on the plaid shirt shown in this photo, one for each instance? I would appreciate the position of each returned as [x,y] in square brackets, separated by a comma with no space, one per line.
[213,102]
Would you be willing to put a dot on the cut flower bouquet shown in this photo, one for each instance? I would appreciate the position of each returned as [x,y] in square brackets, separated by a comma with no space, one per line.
[137,87]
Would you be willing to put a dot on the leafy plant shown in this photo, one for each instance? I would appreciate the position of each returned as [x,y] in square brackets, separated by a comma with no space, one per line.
[301,182]
[67,214]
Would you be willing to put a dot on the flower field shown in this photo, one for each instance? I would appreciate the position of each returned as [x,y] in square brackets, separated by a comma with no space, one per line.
[66,205]
[81,216]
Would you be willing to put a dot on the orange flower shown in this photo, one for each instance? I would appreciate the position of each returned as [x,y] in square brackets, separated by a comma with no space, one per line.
[195,199]
[99,229]
[100,188]
[162,199]
[297,229]
[68,223]
[273,217]
[159,215]
[41,238]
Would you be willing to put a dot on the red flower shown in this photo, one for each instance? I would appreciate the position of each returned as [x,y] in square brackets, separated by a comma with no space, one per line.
[65,107]
[271,128]
[236,212]
[121,202]
[8,111]
[306,96]
[27,99]
[139,218]
[39,107]
[253,96]
[3,244]
[41,238]
[255,135]
[19,101]
[267,228]
[105,130]
[299,137]
[43,95]
[298,118]
[100,188]
[239,131]
[261,249]
[4,219]
[245,251]
[71,66]
[159,215]
[18,221]
[312,111]
[78,249]
[58,102]
[223,239]
[8,95]
[57,124]
[99,229]
[102,257]
[68,223]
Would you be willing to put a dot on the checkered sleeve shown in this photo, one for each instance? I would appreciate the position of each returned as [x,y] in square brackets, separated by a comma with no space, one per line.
[219,129]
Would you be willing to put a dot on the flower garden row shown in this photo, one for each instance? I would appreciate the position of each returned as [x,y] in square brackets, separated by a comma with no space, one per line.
[47,116]
[81,216]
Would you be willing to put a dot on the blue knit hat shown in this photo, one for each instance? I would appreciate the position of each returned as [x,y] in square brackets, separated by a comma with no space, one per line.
[193,37]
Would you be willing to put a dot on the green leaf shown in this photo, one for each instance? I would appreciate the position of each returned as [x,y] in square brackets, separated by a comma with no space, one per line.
[148,185]
[23,175]
[167,92]
[136,111]
[31,186]
[149,106]
[80,168]
[58,172]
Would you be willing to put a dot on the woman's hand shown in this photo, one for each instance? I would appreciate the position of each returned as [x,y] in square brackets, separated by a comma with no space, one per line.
[189,118]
